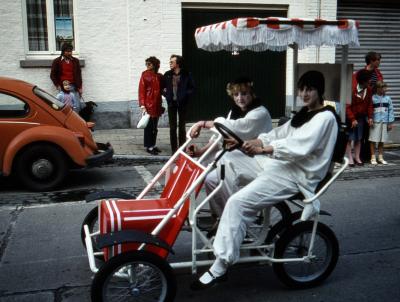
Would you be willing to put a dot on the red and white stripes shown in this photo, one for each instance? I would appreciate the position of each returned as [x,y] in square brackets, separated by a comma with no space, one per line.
[259,34]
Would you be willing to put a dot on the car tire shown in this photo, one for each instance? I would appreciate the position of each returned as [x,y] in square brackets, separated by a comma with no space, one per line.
[41,167]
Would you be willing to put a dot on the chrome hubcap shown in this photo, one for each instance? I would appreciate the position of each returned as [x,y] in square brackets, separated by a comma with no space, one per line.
[42,168]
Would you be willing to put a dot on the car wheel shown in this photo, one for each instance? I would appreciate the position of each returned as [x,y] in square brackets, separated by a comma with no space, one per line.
[41,167]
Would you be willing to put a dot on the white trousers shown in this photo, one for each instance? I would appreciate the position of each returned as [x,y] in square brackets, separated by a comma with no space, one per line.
[273,184]
[240,170]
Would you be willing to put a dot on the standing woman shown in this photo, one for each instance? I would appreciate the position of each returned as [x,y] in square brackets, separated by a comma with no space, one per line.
[359,115]
[150,86]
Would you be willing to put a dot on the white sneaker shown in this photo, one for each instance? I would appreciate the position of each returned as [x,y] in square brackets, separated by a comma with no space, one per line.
[310,210]
[382,161]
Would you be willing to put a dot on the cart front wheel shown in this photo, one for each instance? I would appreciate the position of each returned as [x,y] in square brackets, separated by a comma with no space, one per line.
[92,220]
[134,276]
[295,243]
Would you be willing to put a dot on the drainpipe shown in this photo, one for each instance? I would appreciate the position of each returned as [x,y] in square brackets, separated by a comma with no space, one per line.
[319,6]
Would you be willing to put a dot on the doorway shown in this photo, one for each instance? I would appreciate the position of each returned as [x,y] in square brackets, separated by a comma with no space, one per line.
[213,70]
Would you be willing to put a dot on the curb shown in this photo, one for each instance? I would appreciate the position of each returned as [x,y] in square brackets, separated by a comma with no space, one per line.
[123,157]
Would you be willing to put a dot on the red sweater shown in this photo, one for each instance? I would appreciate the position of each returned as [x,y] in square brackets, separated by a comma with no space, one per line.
[67,72]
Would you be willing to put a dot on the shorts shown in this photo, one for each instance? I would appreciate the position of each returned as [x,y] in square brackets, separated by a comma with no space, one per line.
[356,134]
[378,133]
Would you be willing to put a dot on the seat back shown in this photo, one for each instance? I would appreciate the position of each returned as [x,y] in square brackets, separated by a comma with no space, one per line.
[184,173]
[341,143]
[145,214]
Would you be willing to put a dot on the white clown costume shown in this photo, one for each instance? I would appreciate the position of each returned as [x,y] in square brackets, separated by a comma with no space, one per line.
[255,122]
[300,160]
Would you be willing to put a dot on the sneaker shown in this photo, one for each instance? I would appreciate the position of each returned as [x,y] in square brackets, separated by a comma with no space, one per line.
[382,161]
[374,162]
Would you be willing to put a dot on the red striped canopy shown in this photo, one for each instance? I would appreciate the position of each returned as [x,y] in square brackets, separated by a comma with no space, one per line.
[259,34]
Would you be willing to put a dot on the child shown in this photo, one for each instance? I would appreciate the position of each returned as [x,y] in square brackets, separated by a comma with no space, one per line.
[383,119]
[67,97]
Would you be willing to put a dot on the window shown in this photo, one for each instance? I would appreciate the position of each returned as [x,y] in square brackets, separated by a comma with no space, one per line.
[48,98]
[11,107]
[48,24]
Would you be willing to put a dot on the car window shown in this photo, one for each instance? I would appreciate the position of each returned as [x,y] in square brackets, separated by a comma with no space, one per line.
[48,98]
[12,107]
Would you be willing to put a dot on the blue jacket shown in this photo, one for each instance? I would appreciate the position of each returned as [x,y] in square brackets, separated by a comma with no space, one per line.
[383,109]
[185,88]
[75,104]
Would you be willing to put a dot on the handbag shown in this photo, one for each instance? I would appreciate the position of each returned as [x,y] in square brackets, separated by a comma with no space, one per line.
[144,120]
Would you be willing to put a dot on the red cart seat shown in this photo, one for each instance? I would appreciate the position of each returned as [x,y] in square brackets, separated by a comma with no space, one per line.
[145,214]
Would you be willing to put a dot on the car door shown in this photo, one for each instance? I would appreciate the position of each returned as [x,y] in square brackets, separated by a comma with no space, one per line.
[14,114]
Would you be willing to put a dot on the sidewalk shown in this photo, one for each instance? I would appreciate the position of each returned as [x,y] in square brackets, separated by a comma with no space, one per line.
[129,142]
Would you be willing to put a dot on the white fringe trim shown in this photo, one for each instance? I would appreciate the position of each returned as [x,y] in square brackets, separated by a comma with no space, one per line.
[260,38]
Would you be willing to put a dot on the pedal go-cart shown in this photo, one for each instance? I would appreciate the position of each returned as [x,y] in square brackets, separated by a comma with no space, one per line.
[134,236]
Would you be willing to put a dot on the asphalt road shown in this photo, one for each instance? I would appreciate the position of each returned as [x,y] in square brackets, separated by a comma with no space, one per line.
[42,259]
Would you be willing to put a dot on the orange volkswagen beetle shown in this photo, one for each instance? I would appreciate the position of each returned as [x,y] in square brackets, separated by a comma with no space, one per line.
[40,138]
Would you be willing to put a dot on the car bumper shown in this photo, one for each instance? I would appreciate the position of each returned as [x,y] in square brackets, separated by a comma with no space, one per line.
[105,153]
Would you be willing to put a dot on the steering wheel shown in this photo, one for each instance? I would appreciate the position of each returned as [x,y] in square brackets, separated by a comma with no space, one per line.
[227,133]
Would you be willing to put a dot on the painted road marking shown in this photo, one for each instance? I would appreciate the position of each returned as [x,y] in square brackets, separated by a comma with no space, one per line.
[147,176]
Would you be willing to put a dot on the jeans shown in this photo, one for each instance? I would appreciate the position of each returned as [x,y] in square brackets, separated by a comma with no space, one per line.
[77,98]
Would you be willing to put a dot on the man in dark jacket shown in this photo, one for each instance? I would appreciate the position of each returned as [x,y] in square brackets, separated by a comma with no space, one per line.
[66,67]
[179,87]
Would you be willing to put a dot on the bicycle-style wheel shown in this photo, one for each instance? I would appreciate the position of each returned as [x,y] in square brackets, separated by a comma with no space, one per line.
[134,276]
[266,219]
[92,221]
[295,244]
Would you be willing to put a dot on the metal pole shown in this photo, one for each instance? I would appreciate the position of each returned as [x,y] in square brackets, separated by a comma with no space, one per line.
[295,74]
[343,82]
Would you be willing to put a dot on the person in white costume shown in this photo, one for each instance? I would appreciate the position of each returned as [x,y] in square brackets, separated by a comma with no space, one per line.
[248,118]
[291,158]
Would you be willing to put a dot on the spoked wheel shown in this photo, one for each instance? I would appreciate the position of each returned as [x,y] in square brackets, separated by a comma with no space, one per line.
[279,228]
[266,219]
[134,276]
[295,243]
[92,220]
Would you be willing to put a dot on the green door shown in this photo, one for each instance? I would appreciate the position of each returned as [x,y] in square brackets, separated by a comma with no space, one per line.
[213,70]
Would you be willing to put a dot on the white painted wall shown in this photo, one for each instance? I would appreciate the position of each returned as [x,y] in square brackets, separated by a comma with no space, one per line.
[115,37]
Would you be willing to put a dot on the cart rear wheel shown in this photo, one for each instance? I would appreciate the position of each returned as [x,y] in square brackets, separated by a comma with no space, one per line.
[92,220]
[279,228]
[279,213]
[134,276]
[294,244]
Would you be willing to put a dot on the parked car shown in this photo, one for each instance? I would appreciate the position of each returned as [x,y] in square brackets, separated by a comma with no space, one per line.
[41,139]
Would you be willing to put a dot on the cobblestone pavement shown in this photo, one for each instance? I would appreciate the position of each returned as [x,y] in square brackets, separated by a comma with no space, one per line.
[16,198]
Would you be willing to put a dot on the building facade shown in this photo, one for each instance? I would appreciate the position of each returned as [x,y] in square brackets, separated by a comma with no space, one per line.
[113,38]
